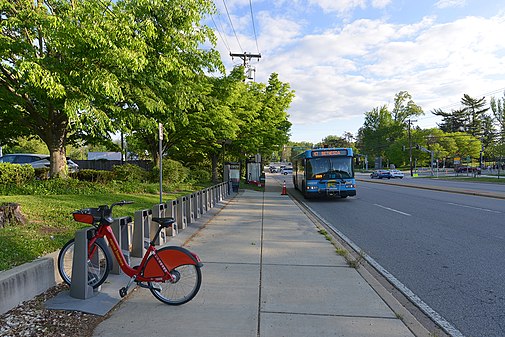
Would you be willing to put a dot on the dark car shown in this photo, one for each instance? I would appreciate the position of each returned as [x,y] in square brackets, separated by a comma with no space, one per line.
[467,169]
[380,174]
[272,169]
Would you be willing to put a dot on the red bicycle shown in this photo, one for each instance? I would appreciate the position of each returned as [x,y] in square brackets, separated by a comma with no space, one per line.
[171,273]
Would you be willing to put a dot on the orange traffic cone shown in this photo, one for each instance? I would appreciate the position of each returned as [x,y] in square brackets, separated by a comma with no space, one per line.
[284,192]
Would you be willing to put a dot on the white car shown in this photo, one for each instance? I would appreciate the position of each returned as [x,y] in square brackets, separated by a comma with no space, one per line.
[35,160]
[287,170]
[396,174]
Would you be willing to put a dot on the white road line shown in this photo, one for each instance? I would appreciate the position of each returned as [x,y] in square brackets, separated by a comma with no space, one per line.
[435,316]
[393,210]
[477,208]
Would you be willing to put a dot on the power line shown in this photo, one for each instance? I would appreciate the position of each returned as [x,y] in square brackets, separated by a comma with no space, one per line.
[482,95]
[254,27]
[219,32]
[231,23]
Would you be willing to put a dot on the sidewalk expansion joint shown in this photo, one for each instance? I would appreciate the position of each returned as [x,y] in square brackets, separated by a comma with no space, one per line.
[326,315]
[232,263]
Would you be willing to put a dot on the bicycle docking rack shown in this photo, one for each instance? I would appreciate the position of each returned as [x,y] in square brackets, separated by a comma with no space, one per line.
[141,230]
[159,211]
[190,211]
[210,197]
[182,220]
[203,204]
[79,287]
[197,205]
[171,212]
[122,229]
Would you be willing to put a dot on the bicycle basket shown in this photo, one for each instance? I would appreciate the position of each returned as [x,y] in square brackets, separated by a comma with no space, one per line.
[87,215]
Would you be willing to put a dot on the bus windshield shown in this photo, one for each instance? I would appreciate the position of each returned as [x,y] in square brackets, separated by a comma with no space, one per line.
[329,168]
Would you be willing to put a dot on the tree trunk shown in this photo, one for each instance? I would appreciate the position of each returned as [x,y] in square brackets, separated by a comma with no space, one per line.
[55,137]
[11,214]
[214,168]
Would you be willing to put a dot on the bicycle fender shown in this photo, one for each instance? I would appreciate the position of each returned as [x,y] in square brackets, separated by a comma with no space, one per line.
[172,257]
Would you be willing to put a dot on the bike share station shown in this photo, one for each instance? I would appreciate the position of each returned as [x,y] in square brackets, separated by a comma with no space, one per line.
[133,238]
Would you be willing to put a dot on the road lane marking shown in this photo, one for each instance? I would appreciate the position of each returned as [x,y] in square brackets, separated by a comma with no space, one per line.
[477,208]
[435,316]
[393,210]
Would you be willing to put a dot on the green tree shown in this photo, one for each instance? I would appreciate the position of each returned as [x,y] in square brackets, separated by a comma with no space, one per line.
[475,111]
[467,145]
[373,136]
[263,118]
[335,141]
[79,69]
[405,108]
[454,121]
[498,109]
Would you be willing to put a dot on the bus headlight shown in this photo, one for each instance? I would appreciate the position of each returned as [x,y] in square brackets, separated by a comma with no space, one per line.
[350,186]
[311,188]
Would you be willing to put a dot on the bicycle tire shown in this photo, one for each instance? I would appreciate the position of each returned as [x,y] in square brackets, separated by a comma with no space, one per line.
[183,289]
[98,270]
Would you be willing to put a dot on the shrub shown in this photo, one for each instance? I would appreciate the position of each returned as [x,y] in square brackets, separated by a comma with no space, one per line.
[15,173]
[200,175]
[130,173]
[51,187]
[173,172]
[42,173]
[98,176]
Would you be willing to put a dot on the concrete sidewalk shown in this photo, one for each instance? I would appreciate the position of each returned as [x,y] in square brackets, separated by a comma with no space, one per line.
[267,272]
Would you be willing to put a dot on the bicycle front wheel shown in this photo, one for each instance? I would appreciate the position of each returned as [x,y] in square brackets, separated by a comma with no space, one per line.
[182,289]
[99,263]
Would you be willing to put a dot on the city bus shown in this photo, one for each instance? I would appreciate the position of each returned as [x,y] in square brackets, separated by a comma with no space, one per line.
[324,172]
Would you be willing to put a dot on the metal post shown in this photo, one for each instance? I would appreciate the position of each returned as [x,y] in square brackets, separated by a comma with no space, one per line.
[120,228]
[158,212]
[161,160]
[79,287]
[182,221]
[141,230]
[171,212]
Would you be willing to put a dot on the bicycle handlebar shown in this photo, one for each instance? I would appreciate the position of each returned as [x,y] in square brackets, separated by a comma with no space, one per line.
[121,203]
[103,212]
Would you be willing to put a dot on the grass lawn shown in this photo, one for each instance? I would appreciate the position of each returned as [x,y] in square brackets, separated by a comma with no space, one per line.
[50,223]
[48,207]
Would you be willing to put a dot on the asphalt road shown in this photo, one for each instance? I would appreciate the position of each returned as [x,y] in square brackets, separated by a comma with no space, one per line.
[470,186]
[448,248]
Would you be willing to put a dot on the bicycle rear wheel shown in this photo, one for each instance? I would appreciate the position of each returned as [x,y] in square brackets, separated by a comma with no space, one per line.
[185,286]
[99,263]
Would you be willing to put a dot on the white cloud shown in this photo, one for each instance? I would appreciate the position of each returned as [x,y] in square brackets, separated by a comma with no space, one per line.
[380,3]
[346,69]
[341,74]
[340,6]
[450,3]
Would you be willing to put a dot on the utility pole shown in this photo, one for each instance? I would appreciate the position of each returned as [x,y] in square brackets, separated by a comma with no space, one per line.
[410,146]
[246,57]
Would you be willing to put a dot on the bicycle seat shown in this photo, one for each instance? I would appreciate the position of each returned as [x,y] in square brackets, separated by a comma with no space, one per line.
[164,222]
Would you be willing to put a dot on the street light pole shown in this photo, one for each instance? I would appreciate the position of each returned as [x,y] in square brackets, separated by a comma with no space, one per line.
[410,147]
[160,126]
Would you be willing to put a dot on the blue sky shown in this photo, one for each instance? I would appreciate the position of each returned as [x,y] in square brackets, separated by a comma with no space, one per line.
[345,57]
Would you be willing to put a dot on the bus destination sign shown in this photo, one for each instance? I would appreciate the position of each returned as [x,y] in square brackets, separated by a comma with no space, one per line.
[324,153]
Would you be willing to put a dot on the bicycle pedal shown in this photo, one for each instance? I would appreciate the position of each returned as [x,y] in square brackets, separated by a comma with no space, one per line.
[123,292]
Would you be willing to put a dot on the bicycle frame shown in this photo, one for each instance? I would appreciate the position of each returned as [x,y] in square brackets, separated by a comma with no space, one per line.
[148,271]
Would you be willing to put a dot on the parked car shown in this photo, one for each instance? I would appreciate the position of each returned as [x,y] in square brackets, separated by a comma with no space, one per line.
[35,160]
[380,174]
[273,169]
[287,170]
[396,174]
